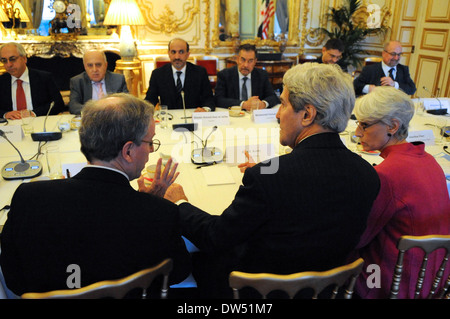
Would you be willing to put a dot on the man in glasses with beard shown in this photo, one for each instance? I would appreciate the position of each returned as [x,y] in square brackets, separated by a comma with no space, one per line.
[179,80]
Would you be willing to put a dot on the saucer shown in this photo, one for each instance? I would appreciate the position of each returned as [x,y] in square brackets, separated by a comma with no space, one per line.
[241,114]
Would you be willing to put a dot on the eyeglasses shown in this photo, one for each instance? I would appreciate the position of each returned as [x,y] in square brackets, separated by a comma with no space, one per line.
[364,126]
[153,143]
[335,57]
[11,59]
[394,54]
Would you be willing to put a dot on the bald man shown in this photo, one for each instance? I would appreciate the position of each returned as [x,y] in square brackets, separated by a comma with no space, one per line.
[388,72]
[95,82]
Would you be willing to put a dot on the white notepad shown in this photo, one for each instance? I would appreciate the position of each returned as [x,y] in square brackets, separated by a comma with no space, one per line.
[217,175]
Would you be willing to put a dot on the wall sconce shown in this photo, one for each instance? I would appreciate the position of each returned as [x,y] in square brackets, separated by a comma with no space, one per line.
[125,13]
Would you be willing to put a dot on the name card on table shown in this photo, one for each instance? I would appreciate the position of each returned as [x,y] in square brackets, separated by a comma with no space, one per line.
[425,136]
[436,103]
[13,132]
[211,118]
[259,153]
[264,115]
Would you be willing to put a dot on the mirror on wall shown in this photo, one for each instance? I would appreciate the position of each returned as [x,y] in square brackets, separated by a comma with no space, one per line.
[232,26]
[41,13]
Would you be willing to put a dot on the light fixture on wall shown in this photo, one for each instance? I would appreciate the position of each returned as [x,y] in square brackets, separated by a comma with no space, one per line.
[125,13]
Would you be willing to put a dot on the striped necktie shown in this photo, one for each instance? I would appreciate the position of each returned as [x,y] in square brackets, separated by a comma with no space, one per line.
[100,93]
[179,85]
[20,96]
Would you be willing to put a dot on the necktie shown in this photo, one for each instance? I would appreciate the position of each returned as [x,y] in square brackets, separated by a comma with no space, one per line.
[244,89]
[391,73]
[179,85]
[100,93]
[20,96]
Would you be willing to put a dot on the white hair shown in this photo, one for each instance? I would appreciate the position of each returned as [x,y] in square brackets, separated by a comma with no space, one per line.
[384,104]
[327,88]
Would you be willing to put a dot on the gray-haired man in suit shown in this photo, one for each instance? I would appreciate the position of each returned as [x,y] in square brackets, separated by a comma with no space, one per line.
[95,82]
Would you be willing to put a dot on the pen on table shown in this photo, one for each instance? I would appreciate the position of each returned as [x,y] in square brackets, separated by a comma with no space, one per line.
[208,164]
[67,173]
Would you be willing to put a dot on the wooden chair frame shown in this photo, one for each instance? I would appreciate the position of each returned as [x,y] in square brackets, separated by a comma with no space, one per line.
[428,244]
[116,289]
[265,283]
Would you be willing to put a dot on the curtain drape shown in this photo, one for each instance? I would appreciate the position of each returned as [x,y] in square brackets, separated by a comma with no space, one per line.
[283,15]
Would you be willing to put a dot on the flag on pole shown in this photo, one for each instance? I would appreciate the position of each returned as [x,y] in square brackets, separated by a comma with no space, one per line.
[266,13]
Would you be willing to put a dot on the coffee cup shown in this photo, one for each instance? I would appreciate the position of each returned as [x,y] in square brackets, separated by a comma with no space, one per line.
[235,110]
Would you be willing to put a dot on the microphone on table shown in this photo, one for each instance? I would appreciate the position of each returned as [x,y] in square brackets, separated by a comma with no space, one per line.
[207,155]
[188,126]
[439,111]
[20,169]
[46,136]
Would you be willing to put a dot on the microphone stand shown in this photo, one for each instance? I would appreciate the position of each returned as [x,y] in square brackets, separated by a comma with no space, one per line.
[188,126]
[440,111]
[46,136]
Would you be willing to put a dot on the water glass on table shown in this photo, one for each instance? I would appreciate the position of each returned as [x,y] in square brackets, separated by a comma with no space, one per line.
[164,116]
[27,121]
[53,158]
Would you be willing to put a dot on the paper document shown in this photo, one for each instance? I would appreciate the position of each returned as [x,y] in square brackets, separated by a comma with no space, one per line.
[217,175]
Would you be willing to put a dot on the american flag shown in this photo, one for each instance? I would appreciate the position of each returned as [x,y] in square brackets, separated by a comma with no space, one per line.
[266,12]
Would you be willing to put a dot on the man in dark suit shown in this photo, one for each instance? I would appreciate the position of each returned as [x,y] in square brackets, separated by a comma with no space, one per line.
[169,81]
[24,88]
[301,211]
[389,72]
[244,84]
[96,220]
[95,82]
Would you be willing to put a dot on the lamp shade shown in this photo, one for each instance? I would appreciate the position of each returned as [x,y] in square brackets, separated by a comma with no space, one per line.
[124,12]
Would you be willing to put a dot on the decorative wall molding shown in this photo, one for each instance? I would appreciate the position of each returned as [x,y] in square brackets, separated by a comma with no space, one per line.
[167,21]
[434,39]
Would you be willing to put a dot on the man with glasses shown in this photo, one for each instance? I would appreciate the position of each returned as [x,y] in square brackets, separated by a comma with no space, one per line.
[244,84]
[96,219]
[22,88]
[331,52]
[388,72]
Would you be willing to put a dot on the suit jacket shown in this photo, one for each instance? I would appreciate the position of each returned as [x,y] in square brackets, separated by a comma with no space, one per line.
[227,88]
[371,74]
[43,91]
[95,220]
[197,89]
[81,89]
[307,214]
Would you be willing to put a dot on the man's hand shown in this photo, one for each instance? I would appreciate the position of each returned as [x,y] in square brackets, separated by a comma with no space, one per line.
[161,181]
[387,81]
[13,115]
[175,193]
[249,163]
[200,109]
[254,100]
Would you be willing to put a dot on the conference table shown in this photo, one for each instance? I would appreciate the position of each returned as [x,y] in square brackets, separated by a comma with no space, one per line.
[211,188]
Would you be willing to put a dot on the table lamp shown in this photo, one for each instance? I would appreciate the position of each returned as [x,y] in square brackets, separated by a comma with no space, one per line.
[125,13]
